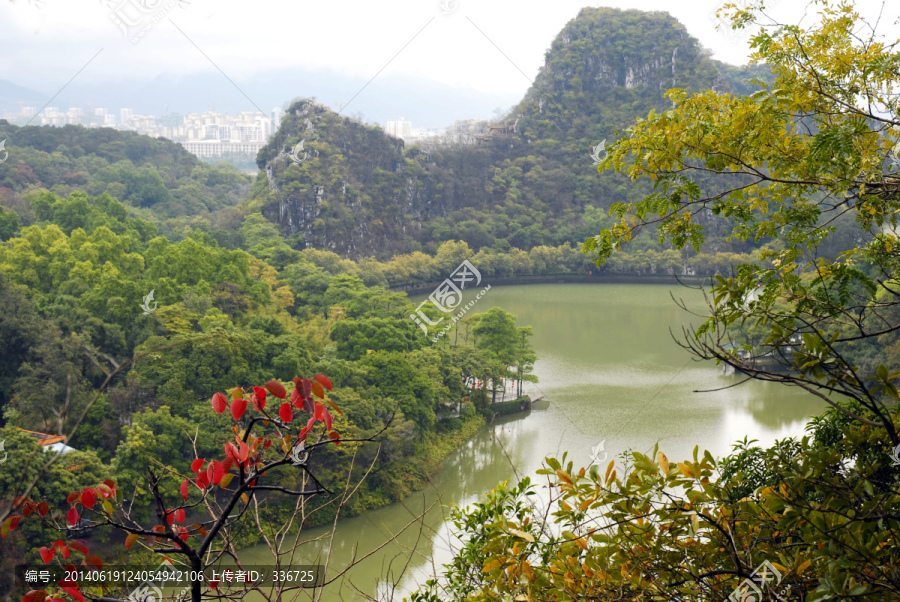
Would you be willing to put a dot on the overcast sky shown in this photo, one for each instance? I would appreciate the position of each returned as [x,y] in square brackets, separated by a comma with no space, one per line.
[493,46]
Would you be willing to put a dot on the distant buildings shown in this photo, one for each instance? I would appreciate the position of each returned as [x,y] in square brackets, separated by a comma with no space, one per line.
[399,128]
[209,134]
[214,134]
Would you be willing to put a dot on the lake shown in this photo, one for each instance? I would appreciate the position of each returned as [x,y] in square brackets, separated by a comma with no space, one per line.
[613,374]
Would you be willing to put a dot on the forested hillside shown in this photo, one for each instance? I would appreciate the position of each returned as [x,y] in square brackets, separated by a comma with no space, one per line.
[361,193]
[72,284]
[157,178]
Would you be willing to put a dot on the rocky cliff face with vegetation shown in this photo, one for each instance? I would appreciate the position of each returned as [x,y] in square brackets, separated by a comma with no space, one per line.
[358,192]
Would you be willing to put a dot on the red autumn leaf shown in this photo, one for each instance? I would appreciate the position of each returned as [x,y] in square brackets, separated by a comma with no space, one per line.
[305,387]
[230,450]
[158,529]
[27,509]
[87,499]
[200,482]
[296,400]
[276,389]
[328,419]
[170,517]
[72,497]
[213,583]
[94,561]
[307,428]
[267,443]
[260,396]
[324,380]
[18,501]
[318,390]
[14,522]
[179,515]
[197,464]
[129,541]
[43,508]
[286,413]
[203,531]
[309,406]
[47,554]
[183,533]
[216,472]
[244,452]
[79,547]
[74,593]
[238,407]
[64,552]
[204,478]
[184,490]
[110,483]
[36,595]
[334,436]
[226,464]
[72,517]
[320,412]
[219,402]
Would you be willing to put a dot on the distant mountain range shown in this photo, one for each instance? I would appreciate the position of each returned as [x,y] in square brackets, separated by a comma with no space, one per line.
[425,102]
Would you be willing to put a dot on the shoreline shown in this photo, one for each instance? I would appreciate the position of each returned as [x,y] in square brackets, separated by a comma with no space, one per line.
[417,288]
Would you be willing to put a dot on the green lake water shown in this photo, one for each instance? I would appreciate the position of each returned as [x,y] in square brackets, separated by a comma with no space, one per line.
[613,374]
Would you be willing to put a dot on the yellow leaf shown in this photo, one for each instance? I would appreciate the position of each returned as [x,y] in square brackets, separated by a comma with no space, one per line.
[581,543]
[563,476]
[226,480]
[686,470]
[108,507]
[803,566]
[245,498]
[490,566]
[779,567]
[523,535]
[609,469]
[663,462]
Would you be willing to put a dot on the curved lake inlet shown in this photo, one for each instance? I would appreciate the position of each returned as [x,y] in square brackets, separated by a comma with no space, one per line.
[613,375]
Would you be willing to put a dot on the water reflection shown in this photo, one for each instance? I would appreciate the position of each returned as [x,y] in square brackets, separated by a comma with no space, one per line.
[612,373]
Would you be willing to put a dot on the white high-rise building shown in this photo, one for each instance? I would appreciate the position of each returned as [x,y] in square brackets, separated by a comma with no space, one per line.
[399,128]
[125,116]
[277,116]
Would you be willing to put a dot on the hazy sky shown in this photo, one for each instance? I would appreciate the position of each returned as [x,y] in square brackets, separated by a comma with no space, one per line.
[488,45]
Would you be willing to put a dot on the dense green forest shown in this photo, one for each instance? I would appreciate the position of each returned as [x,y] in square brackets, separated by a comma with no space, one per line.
[157,179]
[71,285]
